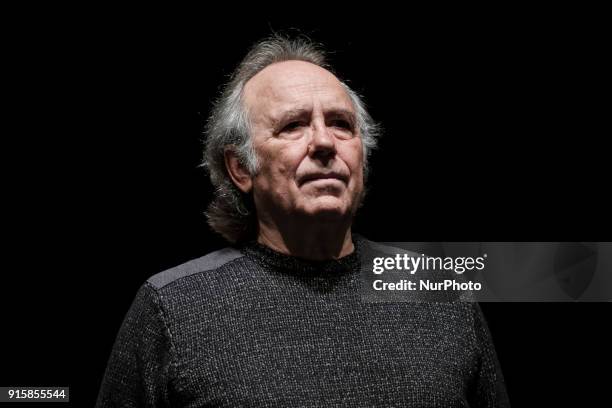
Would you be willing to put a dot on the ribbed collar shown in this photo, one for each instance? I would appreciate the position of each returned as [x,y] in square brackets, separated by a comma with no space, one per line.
[268,257]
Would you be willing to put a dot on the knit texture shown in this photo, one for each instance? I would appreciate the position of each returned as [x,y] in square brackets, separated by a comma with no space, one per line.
[251,327]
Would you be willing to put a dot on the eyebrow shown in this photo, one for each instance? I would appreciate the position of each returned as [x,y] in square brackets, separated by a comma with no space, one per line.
[301,112]
[291,114]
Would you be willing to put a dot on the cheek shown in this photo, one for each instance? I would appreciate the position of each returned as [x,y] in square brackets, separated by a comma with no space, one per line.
[280,162]
[354,158]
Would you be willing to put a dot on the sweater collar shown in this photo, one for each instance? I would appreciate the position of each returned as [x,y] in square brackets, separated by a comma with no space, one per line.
[272,258]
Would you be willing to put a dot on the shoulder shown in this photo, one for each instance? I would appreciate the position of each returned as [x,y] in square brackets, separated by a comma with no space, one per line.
[372,248]
[210,262]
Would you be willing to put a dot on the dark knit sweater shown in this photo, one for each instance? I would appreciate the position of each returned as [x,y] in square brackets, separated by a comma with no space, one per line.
[250,327]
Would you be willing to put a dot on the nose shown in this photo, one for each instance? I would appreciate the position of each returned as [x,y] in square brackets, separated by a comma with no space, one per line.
[322,143]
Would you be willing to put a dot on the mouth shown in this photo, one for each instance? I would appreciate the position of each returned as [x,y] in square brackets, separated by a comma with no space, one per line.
[323,176]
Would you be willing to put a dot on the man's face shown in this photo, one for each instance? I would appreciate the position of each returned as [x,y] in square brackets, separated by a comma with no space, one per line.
[307,142]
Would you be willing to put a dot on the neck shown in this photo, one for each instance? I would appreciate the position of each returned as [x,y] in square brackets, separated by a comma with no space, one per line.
[308,239]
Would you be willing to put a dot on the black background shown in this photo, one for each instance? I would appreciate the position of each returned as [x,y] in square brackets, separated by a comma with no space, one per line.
[493,131]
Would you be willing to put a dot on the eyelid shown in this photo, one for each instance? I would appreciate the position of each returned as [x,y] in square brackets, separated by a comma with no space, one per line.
[346,123]
[289,123]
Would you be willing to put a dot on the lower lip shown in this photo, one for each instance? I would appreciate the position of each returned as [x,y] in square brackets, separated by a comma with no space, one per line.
[323,181]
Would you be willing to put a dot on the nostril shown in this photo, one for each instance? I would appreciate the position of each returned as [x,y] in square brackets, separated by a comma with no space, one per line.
[323,153]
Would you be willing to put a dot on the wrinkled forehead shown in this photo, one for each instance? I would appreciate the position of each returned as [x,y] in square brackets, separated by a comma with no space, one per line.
[293,85]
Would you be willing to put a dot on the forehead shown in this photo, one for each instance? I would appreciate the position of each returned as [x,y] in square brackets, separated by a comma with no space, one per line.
[294,85]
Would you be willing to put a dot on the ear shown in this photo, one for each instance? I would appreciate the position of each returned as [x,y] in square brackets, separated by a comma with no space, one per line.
[237,171]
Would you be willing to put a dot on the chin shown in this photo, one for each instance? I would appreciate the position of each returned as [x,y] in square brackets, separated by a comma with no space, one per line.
[328,207]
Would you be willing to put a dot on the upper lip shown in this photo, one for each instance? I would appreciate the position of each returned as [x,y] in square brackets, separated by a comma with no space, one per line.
[320,175]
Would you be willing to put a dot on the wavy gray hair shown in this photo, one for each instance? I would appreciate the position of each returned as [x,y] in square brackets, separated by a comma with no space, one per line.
[232,213]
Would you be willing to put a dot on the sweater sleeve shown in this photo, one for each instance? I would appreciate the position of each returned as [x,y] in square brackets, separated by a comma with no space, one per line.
[488,388]
[140,366]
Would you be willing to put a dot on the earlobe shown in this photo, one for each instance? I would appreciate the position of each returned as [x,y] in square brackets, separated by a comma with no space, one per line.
[237,171]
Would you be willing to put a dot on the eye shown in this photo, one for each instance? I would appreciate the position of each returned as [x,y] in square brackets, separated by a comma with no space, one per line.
[341,124]
[291,126]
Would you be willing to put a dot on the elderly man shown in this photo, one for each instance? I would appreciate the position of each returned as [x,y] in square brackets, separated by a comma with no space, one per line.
[277,320]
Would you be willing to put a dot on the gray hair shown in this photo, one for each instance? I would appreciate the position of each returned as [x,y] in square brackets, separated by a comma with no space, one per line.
[232,212]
